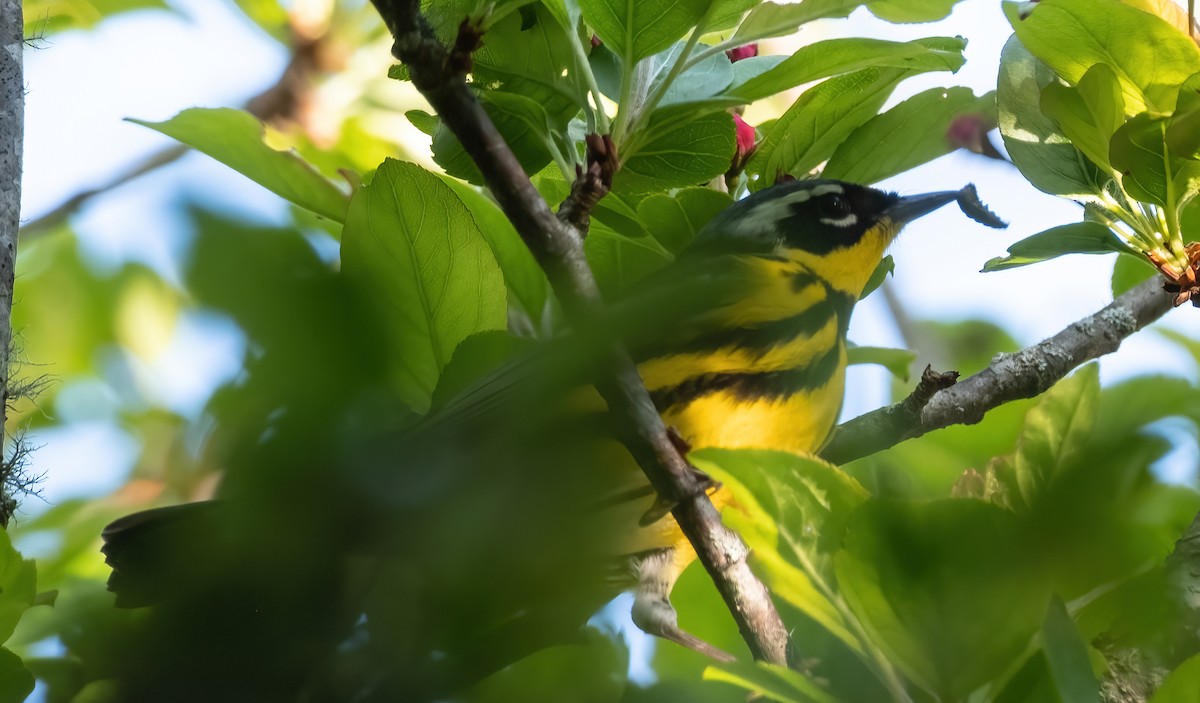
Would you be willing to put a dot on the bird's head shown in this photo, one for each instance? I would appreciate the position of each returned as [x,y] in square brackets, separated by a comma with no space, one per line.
[837,230]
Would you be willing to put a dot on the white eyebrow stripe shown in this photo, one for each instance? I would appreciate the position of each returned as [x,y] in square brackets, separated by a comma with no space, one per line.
[846,221]
[807,194]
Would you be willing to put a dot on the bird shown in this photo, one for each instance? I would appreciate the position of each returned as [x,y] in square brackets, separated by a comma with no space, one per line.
[754,356]
[765,368]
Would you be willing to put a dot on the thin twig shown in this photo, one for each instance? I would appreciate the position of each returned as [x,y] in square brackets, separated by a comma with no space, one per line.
[1024,374]
[440,76]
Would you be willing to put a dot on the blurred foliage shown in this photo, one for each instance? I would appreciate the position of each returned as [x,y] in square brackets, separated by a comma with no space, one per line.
[404,511]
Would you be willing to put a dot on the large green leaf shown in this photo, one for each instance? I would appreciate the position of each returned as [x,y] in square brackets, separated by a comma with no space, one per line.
[944,588]
[529,53]
[618,260]
[821,119]
[235,138]
[1076,238]
[675,219]
[1182,686]
[522,122]
[1056,430]
[1037,147]
[1150,56]
[836,56]
[1088,113]
[526,281]
[413,246]
[1067,656]
[794,512]
[589,671]
[678,153]
[906,136]
[1137,152]
[635,29]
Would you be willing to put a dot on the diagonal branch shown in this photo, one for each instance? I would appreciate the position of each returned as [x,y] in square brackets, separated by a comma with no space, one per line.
[1025,374]
[439,74]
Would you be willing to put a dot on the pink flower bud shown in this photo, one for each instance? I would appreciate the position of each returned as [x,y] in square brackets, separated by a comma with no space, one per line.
[745,136]
[742,52]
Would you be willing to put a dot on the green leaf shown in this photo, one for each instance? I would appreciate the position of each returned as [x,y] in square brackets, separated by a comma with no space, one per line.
[1129,271]
[415,248]
[897,361]
[1089,113]
[886,267]
[1038,148]
[1056,430]
[530,54]
[945,588]
[18,586]
[591,671]
[1076,238]
[675,219]
[777,683]
[235,138]
[677,154]
[423,121]
[906,136]
[837,56]
[526,281]
[44,17]
[1067,656]
[1150,56]
[618,260]
[1137,152]
[772,20]
[522,122]
[911,10]
[793,514]
[16,682]
[821,119]
[1182,686]
[704,80]
[635,29]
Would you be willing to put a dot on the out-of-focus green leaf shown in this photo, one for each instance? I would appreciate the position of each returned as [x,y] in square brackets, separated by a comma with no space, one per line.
[794,512]
[1068,657]
[904,137]
[1128,271]
[1037,147]
[678,154]
[592,671]
[474,357]
[413,246]
[16,683]
[635,29]
[897,361]
[886,267]
[1088,113]
[270,16]
[837,56]
[911,10]
[527,284]
[44,17]
[18,586]
[1152,57]
[1182,686]
[821,119]
[1076,238]
[235,138]
[1056,430]
[943,587]
[675,219]
[777,683]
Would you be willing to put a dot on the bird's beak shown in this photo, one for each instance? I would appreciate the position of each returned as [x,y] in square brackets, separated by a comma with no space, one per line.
[911,207]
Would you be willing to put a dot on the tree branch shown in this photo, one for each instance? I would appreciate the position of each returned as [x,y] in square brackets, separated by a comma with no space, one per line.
[12,131]
[1024,374]
[439,75]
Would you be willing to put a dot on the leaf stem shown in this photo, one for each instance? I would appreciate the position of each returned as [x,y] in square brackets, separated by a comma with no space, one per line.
[676,68]
[603,124]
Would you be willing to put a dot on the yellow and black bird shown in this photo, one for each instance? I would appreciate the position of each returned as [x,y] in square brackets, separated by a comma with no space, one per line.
[765,367]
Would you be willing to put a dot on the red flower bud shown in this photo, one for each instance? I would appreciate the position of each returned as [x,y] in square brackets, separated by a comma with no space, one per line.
[745,137]
[596,41]
[742,52]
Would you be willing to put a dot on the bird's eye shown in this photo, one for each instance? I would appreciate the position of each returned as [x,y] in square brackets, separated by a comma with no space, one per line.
[834,206]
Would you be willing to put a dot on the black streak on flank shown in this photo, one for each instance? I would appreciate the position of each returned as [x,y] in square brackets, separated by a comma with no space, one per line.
[748,387]
[764,337]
